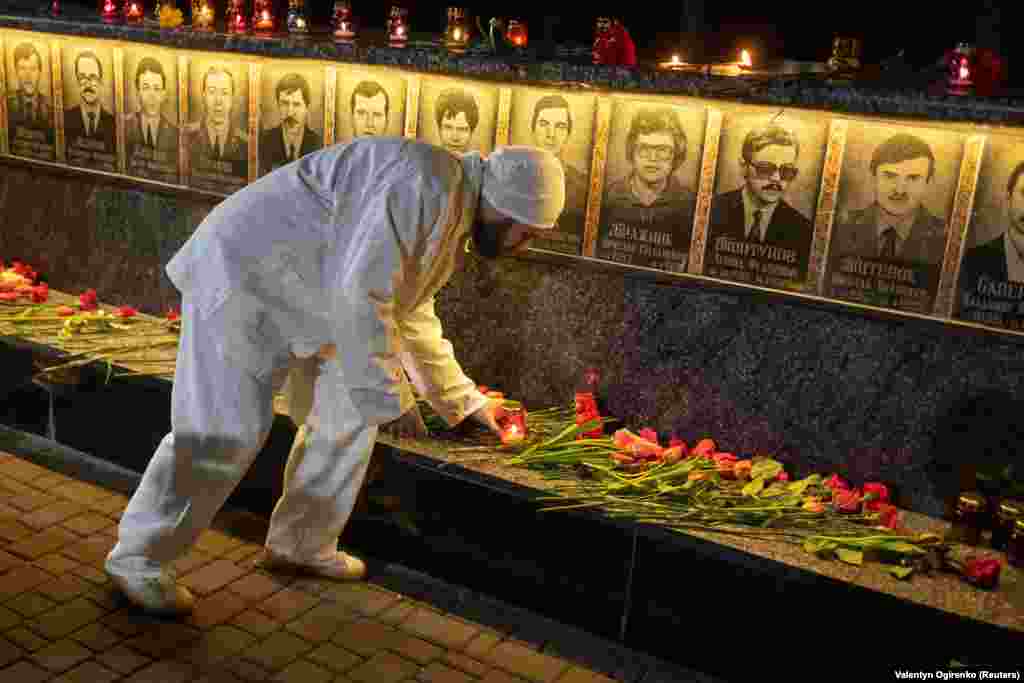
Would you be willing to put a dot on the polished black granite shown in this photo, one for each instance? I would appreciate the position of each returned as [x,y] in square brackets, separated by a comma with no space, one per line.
[898,92]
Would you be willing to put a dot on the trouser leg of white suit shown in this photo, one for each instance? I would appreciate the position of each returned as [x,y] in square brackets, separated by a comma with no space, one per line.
[326,467]
[220,418]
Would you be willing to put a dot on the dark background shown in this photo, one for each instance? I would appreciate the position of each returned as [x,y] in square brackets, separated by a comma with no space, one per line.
[794,30]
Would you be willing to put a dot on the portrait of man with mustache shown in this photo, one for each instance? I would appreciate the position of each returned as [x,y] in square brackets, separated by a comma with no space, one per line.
[757,211]
[292,138]
[896,227]
[88,123]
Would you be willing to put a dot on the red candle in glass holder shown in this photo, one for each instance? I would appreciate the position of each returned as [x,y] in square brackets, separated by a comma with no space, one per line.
[513,426]
[55,8]
[202,15]
[263,16]
[133,11]
[398,28]
[108,11]
[517,34]
[235,21]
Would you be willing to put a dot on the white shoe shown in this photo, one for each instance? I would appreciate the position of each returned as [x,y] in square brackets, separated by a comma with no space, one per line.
[155,593]
[340,567]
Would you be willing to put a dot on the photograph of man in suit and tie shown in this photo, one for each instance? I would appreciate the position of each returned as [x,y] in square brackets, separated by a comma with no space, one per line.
[292,137]
[218,141]
[563,125]
[29,110]
[757,211]
[991,280]
[89,133]
[896,226]
[889,252]
[150,135]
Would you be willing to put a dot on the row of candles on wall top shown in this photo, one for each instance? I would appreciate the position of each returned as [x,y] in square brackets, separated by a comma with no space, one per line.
[237,19]
[263,20]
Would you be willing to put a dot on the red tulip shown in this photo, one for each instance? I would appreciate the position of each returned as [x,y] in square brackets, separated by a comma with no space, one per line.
[125,312]
[704,448]
[40,293]
[65,310]
[836,482]
[846,500]
[9,296]
[875,495]
[175,314]
[648,434]
[782,476]
[982,571]
[889,515]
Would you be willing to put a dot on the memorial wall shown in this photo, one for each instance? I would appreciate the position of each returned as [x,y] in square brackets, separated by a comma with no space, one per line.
[923,219]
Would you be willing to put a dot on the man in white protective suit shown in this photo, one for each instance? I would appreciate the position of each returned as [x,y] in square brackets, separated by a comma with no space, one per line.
[322,272]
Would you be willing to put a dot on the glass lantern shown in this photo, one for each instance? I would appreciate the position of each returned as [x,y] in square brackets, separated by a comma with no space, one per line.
[296,19]
[516,34]
[134,12]
[108,12]
[398,26]
[235,20]
[202,15]
[456,36]
[263,20]
[343,24]
[961,69]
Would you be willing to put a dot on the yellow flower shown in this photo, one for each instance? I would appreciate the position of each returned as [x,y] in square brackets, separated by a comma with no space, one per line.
[813,504]
[170,17]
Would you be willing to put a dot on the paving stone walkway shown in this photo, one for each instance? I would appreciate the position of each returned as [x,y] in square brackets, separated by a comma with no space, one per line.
[60,620]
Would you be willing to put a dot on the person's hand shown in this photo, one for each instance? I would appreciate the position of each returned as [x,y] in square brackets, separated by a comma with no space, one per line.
[409,426]
[490,414]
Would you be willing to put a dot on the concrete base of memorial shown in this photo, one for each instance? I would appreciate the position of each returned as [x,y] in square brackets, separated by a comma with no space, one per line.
[686,597]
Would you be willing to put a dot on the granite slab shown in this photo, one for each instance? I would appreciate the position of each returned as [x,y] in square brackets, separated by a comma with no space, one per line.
[894,93]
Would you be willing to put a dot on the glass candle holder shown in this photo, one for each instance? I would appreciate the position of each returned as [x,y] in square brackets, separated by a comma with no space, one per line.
[961,70]
[263,20]
[398,26]
[134,12]
[343,24]
[55,8]
[235,20]
[202,15]
[513,425]
[109,13]
[516,33]
[296,20]
[456,35]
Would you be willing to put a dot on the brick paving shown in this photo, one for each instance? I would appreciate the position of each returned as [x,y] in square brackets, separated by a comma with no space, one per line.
[60,619]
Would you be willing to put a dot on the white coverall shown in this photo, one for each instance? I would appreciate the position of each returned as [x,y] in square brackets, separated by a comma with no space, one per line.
[346,246]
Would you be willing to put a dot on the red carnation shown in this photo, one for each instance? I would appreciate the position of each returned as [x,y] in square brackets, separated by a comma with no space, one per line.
[982,571]
[125,312]
[875,495]
[88,301]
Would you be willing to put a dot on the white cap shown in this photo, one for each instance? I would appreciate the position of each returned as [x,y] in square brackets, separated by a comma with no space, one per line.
[526,184]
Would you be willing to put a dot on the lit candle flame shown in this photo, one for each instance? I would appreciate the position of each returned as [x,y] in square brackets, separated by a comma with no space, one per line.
[964,71]
[745,59]
[300,22]
[675,59]
[266,15]
[458,34]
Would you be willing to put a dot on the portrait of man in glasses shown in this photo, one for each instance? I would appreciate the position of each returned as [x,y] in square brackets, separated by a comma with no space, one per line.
[757,211]
[650,206]
[89,129]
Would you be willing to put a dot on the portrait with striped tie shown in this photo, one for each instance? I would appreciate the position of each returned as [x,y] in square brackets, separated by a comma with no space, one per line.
[291,113]
[90,131]
[151,114]
[218,132]
[766,187]
[895,198]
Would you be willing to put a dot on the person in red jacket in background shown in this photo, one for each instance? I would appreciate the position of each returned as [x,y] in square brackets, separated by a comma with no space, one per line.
[612,43]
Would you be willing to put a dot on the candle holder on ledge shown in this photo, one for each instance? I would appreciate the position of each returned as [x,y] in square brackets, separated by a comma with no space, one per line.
[54,9]
[845,57]
[516,34]
[109,13]
[398,26]
[134,12]
[343,24]
[961,70]
[235,20]
[456,36]
[202,15]
[263,20]
[297,22]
